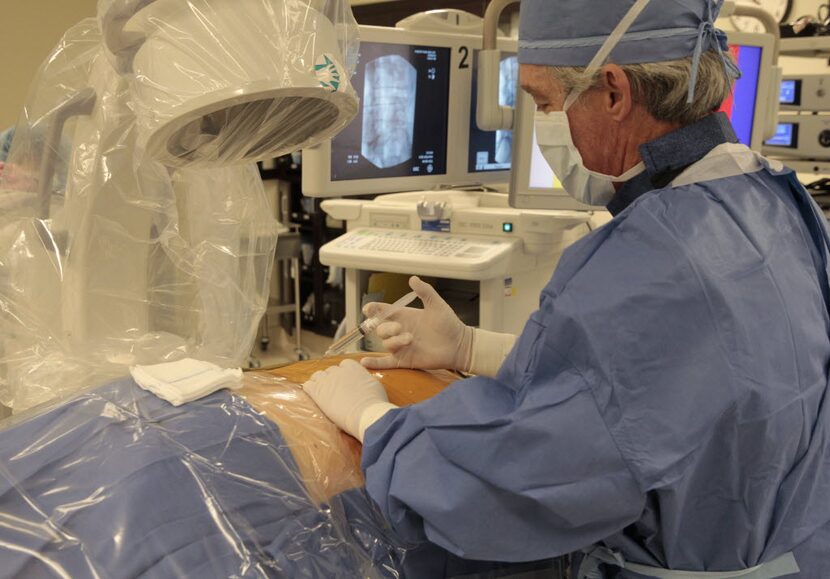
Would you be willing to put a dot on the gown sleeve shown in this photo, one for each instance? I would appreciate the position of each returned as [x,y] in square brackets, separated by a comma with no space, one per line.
[588,414]
[491,470]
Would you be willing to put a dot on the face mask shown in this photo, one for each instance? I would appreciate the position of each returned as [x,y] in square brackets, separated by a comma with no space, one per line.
[553,133]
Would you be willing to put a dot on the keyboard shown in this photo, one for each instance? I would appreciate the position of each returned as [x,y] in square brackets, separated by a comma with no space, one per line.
[420,252]
[414,243]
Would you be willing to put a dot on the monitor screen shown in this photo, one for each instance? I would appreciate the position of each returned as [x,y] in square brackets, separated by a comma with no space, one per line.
[492,150]
[740,106]
[541,175]
[401,126]
[790,92]
[786,135]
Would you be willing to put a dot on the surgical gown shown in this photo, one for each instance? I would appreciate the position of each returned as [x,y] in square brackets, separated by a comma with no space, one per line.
[666,400]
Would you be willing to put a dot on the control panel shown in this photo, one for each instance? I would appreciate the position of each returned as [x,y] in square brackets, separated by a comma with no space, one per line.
[802,136]
[805,93]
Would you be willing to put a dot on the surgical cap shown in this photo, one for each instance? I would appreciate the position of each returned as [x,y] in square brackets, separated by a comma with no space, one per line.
[570,32]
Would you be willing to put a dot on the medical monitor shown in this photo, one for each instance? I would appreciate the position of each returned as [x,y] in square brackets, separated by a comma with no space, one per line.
[786,136]
[401,126]
[790,92]
[533,184]
[414,125]
[493,150]
[746,99]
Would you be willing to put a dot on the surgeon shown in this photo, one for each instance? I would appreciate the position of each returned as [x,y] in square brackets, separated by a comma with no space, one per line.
[665,412]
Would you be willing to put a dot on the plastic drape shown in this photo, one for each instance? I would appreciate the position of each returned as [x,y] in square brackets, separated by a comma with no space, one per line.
[114,482]
[257,483]
[230,80]
[134,227]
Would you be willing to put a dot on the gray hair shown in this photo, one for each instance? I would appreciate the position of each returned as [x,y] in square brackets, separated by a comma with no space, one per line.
[662,87]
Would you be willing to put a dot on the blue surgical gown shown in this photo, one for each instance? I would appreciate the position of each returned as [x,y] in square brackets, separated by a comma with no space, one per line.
[668,398]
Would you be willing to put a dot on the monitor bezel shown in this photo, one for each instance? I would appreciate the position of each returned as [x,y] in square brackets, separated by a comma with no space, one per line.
[317,180]
[522,197]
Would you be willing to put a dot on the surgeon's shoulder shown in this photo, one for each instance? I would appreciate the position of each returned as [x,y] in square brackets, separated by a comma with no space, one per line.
[637,249]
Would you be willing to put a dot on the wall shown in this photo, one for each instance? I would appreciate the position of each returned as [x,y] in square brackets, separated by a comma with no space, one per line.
[30,30]
[387,13]
[802,7]
[805,65]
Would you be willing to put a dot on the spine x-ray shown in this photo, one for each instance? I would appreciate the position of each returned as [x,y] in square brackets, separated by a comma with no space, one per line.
[389,94]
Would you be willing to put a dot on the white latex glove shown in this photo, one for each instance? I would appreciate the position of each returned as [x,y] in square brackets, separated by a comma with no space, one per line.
[428,338]
[351,397]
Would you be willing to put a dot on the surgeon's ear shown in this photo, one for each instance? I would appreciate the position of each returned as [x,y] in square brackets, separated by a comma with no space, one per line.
[619,100]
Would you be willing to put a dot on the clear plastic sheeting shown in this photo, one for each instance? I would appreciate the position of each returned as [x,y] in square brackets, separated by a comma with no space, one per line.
[135,228]
[117,483]
[257,483]
[235,80]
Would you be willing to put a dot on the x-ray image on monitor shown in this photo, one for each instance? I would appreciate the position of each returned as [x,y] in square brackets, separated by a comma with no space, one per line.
[401,127]
[492,150]
[389,93]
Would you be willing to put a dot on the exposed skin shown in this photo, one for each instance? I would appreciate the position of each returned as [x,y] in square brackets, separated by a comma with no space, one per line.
[607,125]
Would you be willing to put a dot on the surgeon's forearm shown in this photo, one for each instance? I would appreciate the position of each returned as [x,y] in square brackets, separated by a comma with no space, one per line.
[489,351]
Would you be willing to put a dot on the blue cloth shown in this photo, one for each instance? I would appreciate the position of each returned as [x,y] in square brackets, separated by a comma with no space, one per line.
[668,156]
[117,483]
[668,398]
[570,32]
[6,138]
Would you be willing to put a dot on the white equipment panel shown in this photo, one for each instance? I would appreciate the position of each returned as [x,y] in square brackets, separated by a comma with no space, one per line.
[803,136]
[421,253]
[508,254]
[810,92]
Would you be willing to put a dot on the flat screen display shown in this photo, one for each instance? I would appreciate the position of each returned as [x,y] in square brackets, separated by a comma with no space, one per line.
[401,126]
[541,175]
[740,106]
[786,135]
[790,92]
[492,150]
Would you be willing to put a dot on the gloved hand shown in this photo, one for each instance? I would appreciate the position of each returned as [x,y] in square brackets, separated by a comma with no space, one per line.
[428,338]
[351,397]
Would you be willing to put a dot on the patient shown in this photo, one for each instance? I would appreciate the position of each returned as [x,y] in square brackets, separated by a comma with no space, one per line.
[116,482]
[324,454]
[256,483]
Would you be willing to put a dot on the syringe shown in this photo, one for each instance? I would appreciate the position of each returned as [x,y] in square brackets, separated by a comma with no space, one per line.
[369,325]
